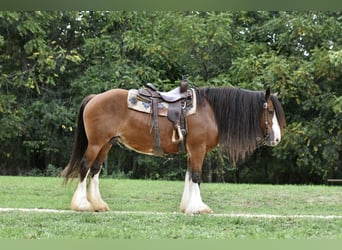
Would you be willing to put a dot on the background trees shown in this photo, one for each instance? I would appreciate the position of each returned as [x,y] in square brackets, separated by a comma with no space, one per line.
[50,60]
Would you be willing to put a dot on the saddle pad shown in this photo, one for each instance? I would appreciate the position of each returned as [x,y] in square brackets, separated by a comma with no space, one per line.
[144,105]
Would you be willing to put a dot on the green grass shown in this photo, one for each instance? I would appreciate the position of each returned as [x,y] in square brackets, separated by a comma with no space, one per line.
[163,197]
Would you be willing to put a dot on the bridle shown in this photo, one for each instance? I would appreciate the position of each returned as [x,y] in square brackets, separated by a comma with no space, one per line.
[267,134]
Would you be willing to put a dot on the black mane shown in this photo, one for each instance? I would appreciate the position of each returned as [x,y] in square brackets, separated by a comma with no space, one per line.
[238,113]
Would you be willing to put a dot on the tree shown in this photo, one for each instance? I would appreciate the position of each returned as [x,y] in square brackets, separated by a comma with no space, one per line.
[298,55]
[50,61]
[37,56]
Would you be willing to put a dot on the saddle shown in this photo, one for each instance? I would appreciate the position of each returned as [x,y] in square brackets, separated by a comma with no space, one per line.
[177,100]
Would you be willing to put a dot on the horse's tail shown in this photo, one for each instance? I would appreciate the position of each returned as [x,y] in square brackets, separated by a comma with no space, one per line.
[80,145]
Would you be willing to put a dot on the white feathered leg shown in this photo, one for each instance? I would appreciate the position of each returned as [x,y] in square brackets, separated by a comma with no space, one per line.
[94,195]
[191,202]
[79,201]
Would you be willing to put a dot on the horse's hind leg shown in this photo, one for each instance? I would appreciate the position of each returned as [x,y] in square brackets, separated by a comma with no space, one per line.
[94,195]
[79,201]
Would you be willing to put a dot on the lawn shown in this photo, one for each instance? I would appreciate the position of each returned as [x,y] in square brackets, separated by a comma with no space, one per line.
[149,210]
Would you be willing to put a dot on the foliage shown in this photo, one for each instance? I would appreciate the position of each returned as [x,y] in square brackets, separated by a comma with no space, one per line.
[51,60]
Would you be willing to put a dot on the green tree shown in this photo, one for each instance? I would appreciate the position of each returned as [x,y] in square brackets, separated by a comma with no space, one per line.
[38,54]
[298,55]
[50,61]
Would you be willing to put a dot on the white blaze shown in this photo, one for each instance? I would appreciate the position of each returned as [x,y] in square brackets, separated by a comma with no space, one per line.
[276,130]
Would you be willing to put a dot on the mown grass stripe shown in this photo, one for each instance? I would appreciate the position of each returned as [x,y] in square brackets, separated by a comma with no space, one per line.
[149,213]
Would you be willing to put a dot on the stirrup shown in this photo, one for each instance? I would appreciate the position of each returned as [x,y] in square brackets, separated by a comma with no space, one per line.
[180,135]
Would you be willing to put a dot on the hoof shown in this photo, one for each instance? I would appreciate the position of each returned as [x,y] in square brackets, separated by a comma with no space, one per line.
[101,208]
[202,209]
[85,207]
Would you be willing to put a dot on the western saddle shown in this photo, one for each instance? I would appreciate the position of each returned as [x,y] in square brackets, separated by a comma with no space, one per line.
[177,100]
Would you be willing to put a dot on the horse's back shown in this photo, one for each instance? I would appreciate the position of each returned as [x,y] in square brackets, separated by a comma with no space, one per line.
[110,97]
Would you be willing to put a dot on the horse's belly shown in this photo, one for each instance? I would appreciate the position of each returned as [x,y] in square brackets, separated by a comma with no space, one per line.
[144,143]
[142,149]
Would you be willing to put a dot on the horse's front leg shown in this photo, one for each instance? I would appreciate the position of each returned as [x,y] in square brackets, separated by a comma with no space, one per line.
[191,202]
[88,197]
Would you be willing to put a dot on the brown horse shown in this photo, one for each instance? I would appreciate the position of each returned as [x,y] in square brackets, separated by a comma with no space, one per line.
[239,120]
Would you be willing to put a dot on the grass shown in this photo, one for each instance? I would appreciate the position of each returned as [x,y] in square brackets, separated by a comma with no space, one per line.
[162,198]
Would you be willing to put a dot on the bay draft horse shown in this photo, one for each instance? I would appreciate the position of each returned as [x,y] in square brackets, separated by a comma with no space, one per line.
[238,120]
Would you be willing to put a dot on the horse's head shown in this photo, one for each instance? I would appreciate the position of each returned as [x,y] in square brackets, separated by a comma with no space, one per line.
[272,120]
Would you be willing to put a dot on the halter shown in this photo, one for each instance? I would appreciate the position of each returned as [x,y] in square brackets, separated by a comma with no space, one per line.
[261,142]
[267,134]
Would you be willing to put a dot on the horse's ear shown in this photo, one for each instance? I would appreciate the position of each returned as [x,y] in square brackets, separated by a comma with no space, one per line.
[267,94]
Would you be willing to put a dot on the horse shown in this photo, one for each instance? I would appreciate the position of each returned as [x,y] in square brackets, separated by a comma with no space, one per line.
[237,120]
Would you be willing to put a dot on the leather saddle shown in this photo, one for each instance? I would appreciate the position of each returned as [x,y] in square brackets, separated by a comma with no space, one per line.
[171,96]
[177,99]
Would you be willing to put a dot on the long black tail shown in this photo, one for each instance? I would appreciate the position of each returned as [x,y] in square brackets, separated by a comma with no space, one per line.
[72,170]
